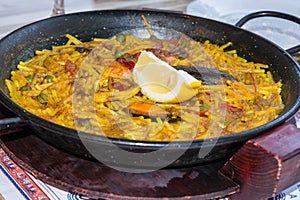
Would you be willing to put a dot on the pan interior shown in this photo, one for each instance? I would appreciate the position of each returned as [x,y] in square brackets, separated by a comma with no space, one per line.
[46,33]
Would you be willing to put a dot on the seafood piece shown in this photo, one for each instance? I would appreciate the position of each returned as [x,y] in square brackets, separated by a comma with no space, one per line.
[148,110]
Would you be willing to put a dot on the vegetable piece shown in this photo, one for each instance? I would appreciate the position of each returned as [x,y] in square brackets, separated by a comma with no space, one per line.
[70,67]
[200,113]
[25,88]
[29,78]
[230,107]
[118,54]
[127,63]
[49,78]
[121,87]
[204,106]
[42,98]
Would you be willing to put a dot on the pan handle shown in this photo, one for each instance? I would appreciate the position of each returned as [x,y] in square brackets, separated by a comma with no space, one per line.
[242,21]
[11,125]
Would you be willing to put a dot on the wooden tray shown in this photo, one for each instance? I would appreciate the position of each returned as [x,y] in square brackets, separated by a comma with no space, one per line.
[94,180]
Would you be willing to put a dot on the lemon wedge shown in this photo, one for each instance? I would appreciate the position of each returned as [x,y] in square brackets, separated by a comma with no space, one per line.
[161,82]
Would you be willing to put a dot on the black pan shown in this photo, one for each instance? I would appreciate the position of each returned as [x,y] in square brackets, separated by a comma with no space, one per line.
[21,44]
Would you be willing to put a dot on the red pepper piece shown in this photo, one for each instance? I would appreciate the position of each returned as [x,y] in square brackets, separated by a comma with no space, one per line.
[200,113]
[70,67]
[120,87]
[230,108]
[127,63]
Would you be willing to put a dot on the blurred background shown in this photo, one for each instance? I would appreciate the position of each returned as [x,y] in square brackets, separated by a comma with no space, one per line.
[15,13]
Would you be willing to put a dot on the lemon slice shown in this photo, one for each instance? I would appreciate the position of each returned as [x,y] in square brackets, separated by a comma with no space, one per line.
[161,82]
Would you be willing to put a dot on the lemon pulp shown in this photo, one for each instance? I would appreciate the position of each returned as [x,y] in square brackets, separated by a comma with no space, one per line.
[161,82]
